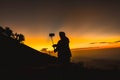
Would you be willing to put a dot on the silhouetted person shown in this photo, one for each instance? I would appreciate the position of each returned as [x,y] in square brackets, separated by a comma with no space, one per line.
[62,47]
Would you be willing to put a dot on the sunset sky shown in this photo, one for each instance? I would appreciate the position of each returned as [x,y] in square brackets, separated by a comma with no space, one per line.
[87,23]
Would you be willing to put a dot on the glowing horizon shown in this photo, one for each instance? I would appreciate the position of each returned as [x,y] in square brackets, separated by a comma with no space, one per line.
[82,42]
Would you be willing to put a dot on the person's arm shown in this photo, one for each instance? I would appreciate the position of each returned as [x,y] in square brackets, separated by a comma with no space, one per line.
[55,47]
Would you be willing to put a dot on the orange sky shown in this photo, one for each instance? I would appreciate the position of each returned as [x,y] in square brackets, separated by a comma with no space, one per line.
[38,42]
[83,21]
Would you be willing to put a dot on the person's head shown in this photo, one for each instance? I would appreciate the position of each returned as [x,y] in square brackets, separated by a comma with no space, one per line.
[62,34]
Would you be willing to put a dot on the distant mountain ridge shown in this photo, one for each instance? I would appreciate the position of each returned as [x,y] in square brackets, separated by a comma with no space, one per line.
[13,52]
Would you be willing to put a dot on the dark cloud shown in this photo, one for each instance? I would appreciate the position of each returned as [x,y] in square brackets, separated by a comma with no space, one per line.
[93,43]
[117,41]
[100,43]
[103,42]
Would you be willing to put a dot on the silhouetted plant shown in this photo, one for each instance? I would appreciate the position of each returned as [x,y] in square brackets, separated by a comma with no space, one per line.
[21,38]
[8,32]
[16,36]
[1,29]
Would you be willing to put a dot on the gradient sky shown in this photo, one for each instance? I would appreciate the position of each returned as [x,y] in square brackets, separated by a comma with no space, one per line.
[84,21]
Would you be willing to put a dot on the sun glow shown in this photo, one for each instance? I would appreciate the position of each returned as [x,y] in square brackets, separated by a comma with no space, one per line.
[39,43]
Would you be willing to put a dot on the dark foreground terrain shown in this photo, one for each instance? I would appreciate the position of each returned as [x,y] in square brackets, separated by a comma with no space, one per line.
[57,72]
[21,62]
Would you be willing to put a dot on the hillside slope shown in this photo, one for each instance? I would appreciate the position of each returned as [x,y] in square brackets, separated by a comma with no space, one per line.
[13,52]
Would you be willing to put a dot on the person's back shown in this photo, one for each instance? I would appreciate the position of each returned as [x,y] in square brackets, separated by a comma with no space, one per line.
[63,49]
